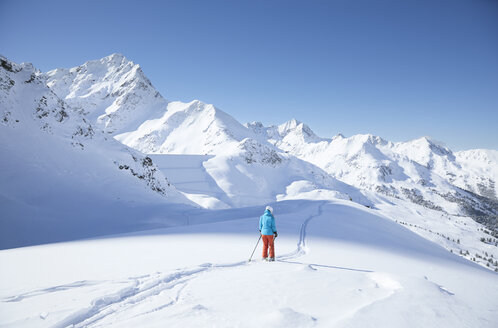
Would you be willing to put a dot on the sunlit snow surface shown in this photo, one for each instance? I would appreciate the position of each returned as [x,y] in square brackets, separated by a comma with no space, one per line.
[338,265]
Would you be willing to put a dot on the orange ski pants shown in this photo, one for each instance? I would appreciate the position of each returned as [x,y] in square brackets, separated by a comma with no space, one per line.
[268,243]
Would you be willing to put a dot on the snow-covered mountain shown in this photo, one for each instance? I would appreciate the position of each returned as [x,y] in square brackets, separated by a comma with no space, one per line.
[187,128]
[112,93]
[60,117]
[286,135]
[60,171]
[248,169]
[479,172]
[420,170]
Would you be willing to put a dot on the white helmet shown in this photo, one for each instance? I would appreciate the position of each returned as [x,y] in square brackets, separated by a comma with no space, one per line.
[269,208]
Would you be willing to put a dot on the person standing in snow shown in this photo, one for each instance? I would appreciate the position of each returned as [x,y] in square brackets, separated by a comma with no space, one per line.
[268,232]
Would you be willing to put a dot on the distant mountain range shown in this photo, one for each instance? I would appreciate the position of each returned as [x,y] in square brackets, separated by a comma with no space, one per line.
[72,119]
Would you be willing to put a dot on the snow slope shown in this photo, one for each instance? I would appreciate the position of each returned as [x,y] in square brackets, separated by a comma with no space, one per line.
[188,174]
[252,173]
[248,175]
[338,265]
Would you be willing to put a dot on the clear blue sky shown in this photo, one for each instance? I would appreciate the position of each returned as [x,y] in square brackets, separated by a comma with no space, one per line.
[397,69]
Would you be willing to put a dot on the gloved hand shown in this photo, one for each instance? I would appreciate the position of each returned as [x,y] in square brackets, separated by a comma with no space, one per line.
[276,234]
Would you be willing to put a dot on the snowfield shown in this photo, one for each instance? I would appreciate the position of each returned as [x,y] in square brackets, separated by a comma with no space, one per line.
[338,265]
[120,208]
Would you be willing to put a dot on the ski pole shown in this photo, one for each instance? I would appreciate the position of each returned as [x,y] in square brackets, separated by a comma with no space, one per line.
[255,248]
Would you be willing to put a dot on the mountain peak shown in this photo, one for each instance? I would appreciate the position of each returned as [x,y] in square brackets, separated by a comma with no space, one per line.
[289,125]
[112,91]
[115,59]
[338,136]
[295,125]
[435,146]
[367,139]
[426,140]
[116,56]
[296,132]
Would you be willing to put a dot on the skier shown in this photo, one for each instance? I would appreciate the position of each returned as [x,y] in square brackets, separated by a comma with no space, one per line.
[268,231]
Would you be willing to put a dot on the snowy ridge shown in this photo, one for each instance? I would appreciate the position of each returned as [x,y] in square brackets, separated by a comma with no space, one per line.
[287,134]
[207,129]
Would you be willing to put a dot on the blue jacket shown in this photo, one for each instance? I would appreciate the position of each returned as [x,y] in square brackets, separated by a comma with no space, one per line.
[267,224]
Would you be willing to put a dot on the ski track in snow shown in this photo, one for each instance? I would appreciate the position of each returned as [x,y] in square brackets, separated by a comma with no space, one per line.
[76,284]
[301,245]
[142,288]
